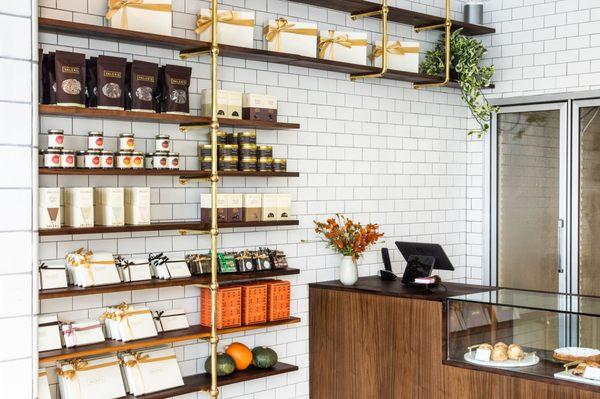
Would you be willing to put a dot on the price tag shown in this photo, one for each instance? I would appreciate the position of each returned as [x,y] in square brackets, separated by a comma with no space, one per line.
[483,354]
[592,373]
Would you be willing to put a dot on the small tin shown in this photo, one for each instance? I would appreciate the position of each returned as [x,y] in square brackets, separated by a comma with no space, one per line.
[246,138]
[56,138]
[205,150]
[80,159]
[92,159]
[137,160]
[247,150]
[95,141]
[52,158]
[148,158]
[228,164]
[173,160]
[221,138]
[264,151]
[231,138]
[123,159]
[162,142]
[247,164]
[279,165]
[107,160]
[126,142]
[67,159]
[228,150]
[264,164]
[160,160]
[206,163]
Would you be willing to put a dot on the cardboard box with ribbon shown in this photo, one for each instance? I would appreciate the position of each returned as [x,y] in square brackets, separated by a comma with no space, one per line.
[291,37]
[150,16]
[234,28]
[343,46]
[402,56]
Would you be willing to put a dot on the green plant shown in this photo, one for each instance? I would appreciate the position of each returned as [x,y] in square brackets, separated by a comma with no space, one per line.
[465,56]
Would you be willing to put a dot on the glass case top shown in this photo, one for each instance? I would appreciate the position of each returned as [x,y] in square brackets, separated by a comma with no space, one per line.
[553,302]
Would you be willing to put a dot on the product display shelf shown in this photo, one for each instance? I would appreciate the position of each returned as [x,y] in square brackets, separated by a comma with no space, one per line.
[183,120]
[113,346]
[73,291]
[201,382]
[399,15]
[184,174]
[192,226]
[53,25]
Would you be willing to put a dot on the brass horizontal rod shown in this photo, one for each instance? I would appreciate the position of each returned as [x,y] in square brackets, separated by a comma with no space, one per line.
[191,126]
[429,27]
[366,14]
[185,54]
[185,180]
[185,232]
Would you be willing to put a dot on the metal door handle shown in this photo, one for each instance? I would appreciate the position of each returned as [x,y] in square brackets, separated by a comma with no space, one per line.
[561,225]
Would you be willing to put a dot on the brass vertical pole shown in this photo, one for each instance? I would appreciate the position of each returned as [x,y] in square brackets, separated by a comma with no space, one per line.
[384,41]
[214,232]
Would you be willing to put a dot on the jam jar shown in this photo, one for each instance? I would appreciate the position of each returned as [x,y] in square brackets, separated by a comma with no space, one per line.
[221,138]
[246,138]
[148,158]
[228,164]
[107,160]
[206,163]
[264,151]
[264,164]
[247,164]
[126,142]
[247,150]
[279,165]
[228,150]
[92,159]
[231,138]
[56,138]
[123,159]
[205,150]
[137,160]
[95,141]
[162,142]
[173,160]
[80,159]
[52,158]
[160,160]
[67,159]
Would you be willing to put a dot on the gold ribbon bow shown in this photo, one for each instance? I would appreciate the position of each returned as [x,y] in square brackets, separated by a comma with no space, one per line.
[115,5]
[342,40]
[77,364]
[124,315]
[86,256]
[282,25]
[226,17]
[145,358]
[394,48]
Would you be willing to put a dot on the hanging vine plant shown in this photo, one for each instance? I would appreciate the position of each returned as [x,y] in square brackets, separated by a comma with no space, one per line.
[465,57]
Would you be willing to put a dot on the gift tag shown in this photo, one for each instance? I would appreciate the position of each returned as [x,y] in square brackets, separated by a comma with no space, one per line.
[483,354]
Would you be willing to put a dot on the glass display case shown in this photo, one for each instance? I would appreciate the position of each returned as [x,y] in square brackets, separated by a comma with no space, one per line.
[541,334]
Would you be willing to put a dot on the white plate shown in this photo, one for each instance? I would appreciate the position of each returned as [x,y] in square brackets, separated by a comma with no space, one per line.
[527,361]
[567,375]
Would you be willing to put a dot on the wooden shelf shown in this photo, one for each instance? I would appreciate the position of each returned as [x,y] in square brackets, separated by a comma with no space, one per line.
[182,120]
[399,15]
[113,346]
[72,291]
[201,382]
[185,174]
[52,25]
[198,226]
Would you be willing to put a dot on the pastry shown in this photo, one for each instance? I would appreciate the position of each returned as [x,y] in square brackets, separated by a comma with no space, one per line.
[579,370]
[501,345]
[515,352]
[486,346]
[499,354]
[575,354]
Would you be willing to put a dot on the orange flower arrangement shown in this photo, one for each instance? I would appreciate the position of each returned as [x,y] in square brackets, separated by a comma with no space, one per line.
[346,237]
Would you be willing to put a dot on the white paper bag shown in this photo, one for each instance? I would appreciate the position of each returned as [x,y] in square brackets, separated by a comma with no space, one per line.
[152,16]
[143,368]
[48,333]
[235,28]
[291,37]
[83,332]
[43,386]
[402,56]
[91,379]
[343,46]
[169,320]
[53,274]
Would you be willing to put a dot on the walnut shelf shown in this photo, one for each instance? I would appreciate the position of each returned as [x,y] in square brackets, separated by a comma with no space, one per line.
[73,291]
[185,174]
[182,120]
[113,346]
[197,226]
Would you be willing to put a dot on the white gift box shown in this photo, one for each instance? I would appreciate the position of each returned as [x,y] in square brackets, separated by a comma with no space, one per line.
[152,371]
[43,385]
[343,46]
[229,104]
[170,320]
[110,206]
[89,269]
[402,56]
[235,28]
[128,323]
[291,37]
[136,269]
[172,268]
[98,378]
[79,207]
[284,206]
[269,207]
[49,333]
[83,332]
[151,16]
[49,208]
[53,274]
[137,205]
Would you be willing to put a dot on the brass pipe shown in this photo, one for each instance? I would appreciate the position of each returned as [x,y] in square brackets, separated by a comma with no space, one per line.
[384,41]
[448,25]
[365,14]
[185,54]
[185,232]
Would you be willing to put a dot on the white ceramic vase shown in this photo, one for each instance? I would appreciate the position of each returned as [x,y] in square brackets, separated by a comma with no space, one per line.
[348,271]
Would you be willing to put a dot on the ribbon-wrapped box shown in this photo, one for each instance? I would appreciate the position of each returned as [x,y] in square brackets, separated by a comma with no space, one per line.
[348,47]
[135,269]
[291,37]
[234,28]
[151,371]
[87,269]
[170,320]
[150,16]
[53,274]
[98,378]
[127,323]
[402,56]
[84,332]
[166,269]
[49,333]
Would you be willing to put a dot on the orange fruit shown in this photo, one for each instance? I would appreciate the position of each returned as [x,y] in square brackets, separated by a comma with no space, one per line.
[241,354]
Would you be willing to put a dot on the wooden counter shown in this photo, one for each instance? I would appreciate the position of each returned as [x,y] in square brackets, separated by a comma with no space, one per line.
[381,340]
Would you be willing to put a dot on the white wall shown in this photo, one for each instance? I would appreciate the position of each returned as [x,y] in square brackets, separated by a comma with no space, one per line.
[18,243]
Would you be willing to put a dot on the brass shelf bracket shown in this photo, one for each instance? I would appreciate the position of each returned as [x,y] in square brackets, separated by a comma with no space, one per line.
[383,11]
[186,180]
[185,54]
[186,232]
[448,29]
